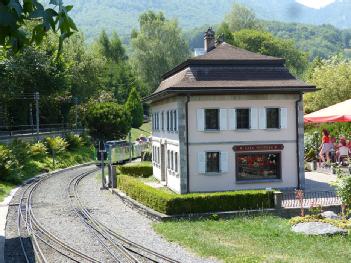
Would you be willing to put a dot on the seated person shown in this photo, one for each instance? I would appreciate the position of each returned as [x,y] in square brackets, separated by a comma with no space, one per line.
[343,151]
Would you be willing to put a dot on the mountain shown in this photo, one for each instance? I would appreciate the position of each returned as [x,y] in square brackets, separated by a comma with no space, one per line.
[122,15]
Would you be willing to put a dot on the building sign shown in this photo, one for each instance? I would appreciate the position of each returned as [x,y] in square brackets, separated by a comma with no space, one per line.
[259,147]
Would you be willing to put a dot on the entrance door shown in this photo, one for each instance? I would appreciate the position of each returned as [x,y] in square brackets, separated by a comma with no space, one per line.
[163,163]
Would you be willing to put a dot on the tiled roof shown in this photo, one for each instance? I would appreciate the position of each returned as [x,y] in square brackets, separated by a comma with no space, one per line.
[227,52]
[227,68]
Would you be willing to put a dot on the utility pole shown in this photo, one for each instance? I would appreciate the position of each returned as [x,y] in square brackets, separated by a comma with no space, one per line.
[31,117]
[76,112]
[102,150]
[36,97]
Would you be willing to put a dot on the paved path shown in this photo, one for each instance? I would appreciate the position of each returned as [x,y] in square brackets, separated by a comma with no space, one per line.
[4,206]
[316,182]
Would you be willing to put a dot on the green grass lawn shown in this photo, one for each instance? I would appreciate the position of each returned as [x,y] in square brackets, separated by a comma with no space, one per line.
[255,239]
[144,129]
[5,189]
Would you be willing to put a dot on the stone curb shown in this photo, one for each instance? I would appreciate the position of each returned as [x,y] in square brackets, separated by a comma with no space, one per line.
[5,204]
[157,216]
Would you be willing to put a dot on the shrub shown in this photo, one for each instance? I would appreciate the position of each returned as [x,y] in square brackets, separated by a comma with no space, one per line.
[74,141]
[56,144]
[173,204]
[20,149]
[141,169]
[38,150]
[9,165]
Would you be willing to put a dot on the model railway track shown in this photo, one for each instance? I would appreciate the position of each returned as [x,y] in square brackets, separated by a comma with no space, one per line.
[131,251]
[42,240]
[40,236]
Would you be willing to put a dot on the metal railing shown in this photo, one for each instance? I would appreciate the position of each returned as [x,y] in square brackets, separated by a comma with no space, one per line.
[321,198]
[9,131]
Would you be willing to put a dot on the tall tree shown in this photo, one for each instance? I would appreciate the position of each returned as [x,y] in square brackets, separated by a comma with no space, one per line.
[107,121]
[332,77]
[240,17]
[134,106]
[157,47]
[111,48]
[14,16]
[265,43]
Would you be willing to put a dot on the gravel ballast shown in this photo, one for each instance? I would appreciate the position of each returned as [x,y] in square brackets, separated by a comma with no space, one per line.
[51,206]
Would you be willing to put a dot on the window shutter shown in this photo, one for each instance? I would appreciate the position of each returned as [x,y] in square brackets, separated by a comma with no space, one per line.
[232,119]
[284,118]
[223,119]
[254,118]
[201,162]
[200,118]
[262,118]
[224,162]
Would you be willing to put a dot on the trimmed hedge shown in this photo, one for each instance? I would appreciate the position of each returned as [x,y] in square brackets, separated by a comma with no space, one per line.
[174,204]
[141,169]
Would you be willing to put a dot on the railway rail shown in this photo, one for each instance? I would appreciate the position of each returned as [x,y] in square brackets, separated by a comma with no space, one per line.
[42,240]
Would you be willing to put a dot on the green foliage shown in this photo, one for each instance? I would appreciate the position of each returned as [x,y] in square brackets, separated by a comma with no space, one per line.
[20,149]
[9,165]
[319,41]
[240,17]
[74,141]
[15,14]
[332,77]
[38,150]
[135,108]
[107,121]
[265,43]
[157,48]
[173,204]
[111,49]
[56,145]
[140,169]
[343,187]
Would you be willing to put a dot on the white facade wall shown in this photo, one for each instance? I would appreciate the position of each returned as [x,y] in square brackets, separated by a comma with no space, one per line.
[224,140]
[167,140]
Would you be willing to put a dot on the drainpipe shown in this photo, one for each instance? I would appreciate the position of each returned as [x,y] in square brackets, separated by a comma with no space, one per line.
[187,144]
[297,141]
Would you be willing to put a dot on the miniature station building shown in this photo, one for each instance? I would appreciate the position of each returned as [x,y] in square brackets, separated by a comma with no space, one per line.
[229,119]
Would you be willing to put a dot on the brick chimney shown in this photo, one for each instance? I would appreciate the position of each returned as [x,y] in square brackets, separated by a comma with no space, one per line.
[209,39]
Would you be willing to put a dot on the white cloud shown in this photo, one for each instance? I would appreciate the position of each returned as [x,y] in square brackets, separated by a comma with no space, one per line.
[315,3]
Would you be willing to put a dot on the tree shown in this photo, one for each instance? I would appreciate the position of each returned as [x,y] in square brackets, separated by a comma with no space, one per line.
[157,48]
[134,106]
[107,121]
[241,17]
[332,77]
[15,15]
[112,49]
[265,43]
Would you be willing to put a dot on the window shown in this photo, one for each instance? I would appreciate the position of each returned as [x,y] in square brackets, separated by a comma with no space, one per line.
[172,166]
[167,120]
[175,120]
[176,161]
[211,119]
[212,162]
[158,155]
[258,166]
[243,118]
[168,159]
[273,118]
[163,121]
[171,120]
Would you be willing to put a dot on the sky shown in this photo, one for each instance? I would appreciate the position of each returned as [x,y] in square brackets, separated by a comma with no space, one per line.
[315,3]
